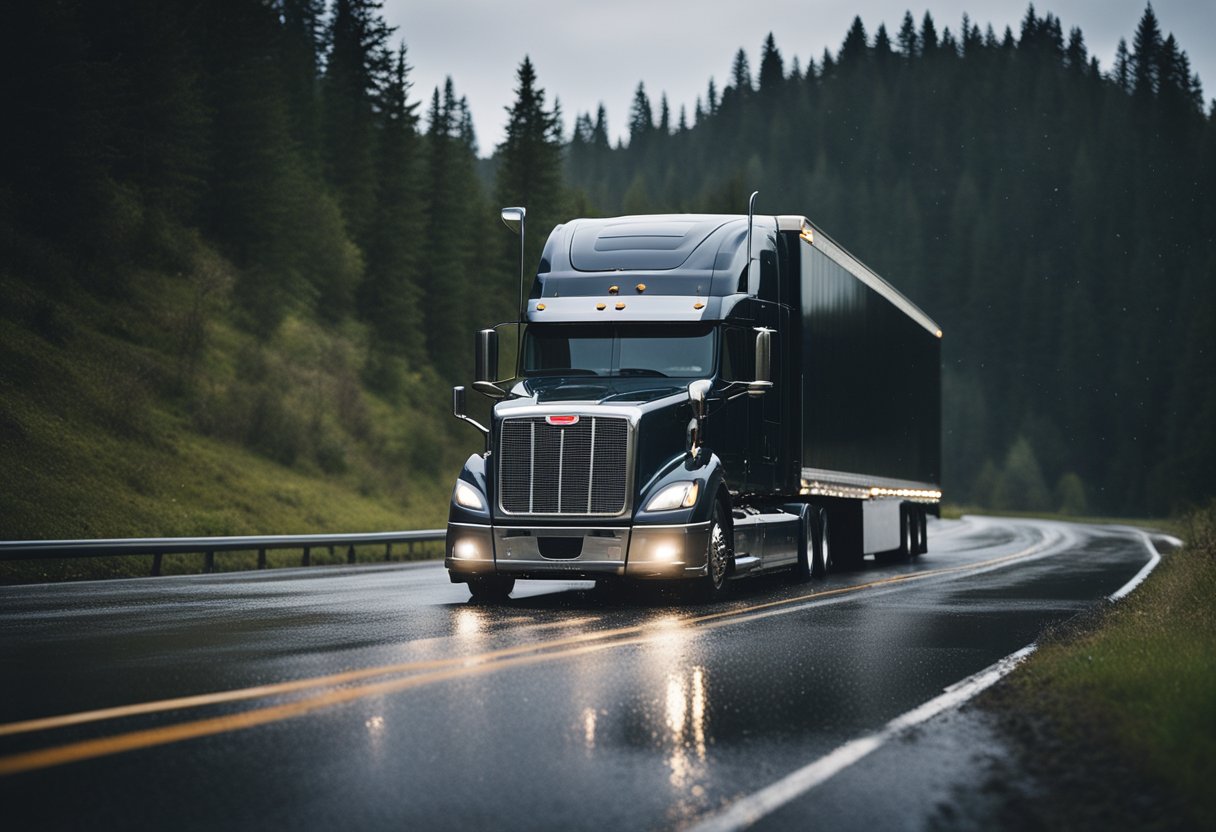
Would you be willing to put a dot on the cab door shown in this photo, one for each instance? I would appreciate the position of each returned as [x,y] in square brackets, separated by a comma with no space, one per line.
[728,431]
[765,421]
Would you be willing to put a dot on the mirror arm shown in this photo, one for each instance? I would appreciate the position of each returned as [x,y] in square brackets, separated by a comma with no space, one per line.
[485,430]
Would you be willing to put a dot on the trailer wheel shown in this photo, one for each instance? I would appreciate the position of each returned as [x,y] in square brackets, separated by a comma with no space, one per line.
[821,545]
[909,532]
[490,589]
[922,531]
[713,585]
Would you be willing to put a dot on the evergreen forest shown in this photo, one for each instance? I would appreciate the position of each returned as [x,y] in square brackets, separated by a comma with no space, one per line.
[243,258]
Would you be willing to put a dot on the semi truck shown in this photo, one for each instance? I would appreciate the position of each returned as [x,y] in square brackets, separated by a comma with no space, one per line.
[697,398]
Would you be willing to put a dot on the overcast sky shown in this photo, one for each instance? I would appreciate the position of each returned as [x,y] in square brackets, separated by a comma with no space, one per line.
[591,52]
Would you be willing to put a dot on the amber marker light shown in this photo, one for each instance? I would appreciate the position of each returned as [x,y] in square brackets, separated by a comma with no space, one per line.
[540,307]
[601,306]
[620,306]
[641,287]
[698,305]
[612,290]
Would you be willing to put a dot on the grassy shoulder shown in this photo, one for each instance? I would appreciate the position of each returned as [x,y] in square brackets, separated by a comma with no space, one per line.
[156,414]
[1116,711]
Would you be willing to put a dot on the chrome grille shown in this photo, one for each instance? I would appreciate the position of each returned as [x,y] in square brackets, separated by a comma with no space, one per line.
[575,469]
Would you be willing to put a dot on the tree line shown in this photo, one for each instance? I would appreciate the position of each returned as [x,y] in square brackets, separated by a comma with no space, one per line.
[1056,219]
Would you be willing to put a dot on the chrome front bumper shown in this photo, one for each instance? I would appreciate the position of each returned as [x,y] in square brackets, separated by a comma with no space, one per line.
[645,552]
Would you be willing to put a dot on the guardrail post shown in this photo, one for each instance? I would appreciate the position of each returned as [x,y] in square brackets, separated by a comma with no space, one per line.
[409,549]
[156,564]
[388,551]
[209,562]
[306,560]
[350,554]
[262,558]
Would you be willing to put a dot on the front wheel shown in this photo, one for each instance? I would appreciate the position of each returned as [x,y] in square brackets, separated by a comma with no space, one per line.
[717,557]
[490,589]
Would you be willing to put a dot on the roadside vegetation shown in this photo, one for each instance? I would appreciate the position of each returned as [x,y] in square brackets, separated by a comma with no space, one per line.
[1115,714]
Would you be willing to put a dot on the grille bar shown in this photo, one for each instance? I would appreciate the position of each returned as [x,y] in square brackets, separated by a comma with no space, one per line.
[568,470]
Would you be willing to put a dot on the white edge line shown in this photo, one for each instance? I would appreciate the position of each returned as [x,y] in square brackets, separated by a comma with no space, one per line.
[745,812]
[1139,577]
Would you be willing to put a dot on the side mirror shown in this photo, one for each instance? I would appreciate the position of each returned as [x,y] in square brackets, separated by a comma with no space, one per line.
[764,361]
[513,218]
[485,357]
[698,391]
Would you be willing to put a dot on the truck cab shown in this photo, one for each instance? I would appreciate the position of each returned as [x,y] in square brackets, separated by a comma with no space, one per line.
[653,430]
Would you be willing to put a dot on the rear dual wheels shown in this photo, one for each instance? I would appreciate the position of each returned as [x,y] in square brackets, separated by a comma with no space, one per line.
[815,553]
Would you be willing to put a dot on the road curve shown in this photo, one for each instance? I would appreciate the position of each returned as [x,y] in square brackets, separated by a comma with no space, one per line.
[378,697]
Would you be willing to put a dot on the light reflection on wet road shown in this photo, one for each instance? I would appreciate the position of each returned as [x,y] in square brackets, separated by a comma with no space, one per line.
[384,700]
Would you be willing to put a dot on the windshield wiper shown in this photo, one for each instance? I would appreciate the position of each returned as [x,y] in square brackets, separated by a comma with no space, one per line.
[559,371]
[640,371]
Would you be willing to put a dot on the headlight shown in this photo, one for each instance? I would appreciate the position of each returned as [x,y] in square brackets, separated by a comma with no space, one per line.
[467,496]
[678,495]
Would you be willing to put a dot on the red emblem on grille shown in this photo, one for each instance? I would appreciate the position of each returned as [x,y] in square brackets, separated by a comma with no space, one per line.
[562,420]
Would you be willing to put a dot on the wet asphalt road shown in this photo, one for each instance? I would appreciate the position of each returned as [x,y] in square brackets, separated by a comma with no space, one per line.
[379,698]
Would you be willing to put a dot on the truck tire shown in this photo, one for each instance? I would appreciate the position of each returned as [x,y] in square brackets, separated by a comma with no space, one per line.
[717,560]
[922,531]
[490,589]
[807,545]
[821,545]
[909,532]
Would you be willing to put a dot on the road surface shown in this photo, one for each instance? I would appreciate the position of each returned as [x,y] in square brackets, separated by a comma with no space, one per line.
[378,697]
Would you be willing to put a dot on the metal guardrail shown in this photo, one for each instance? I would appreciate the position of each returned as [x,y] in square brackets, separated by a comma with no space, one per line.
[158,547]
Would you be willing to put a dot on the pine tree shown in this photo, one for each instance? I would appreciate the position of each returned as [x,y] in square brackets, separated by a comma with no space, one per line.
[882,44]
[909,43]
[301,47]
[530,170]
[600,134]
[356,71]
[390,297]
[1146,55]
[1076,56]
[641,117]
[772,68]
[928,35]
[1122,74]
[972,40]
[741,74]
[856,45]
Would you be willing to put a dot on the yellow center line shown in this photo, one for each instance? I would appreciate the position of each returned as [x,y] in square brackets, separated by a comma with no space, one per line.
[151,737]
[436,670]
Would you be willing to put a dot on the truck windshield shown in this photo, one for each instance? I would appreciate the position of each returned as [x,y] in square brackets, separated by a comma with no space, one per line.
[630,350]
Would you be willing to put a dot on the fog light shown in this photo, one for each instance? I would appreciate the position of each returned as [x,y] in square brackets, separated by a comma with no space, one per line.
[465,549]
[666,552]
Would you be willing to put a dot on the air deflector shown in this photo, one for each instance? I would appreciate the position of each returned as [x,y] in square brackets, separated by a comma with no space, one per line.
[638,243]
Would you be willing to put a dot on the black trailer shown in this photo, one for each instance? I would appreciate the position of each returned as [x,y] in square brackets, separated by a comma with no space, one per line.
[700,397]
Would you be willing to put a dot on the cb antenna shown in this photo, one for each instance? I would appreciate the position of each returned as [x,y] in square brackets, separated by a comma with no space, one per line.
[751,213]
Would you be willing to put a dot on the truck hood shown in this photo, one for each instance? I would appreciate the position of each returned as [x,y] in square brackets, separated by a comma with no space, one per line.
[599,390]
